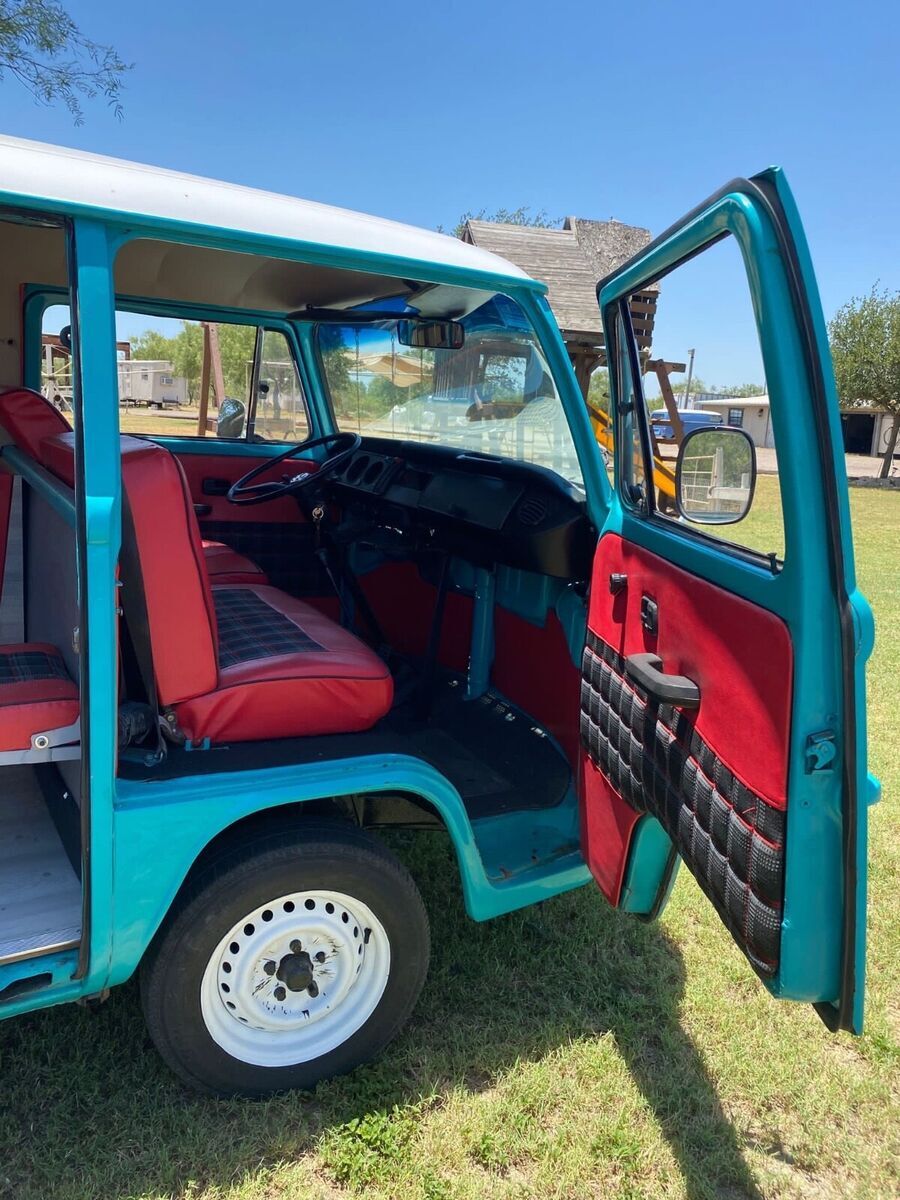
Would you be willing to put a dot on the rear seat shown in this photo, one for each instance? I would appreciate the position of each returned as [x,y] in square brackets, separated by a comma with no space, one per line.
[39,708]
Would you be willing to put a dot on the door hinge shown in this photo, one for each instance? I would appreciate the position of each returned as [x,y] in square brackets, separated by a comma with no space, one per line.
[821,751]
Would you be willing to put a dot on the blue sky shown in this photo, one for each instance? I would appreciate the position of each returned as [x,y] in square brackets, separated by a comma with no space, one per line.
[635,111]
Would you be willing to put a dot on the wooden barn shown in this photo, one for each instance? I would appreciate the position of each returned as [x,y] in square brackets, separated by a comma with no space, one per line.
[570,261]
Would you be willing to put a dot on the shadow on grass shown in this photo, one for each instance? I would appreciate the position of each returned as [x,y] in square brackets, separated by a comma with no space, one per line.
[88,1110]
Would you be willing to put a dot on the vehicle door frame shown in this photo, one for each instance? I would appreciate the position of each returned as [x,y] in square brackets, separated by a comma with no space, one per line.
[825,822]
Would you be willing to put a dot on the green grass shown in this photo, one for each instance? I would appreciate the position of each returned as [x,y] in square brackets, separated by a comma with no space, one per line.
[561,1052]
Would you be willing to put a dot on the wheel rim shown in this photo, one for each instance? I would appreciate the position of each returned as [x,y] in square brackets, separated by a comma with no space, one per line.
[295,978]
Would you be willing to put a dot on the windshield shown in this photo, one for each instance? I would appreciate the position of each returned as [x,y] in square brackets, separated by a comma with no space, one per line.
[495,395]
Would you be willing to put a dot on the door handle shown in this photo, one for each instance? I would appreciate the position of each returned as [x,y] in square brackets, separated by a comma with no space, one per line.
[644,670]
[215,487]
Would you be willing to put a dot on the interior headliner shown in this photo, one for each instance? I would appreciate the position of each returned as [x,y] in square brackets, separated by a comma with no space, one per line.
[182,273]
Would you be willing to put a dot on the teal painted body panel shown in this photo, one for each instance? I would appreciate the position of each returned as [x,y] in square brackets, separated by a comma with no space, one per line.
[162,828]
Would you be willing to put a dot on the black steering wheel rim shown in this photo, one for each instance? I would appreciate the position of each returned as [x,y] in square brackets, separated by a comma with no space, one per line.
[241,493]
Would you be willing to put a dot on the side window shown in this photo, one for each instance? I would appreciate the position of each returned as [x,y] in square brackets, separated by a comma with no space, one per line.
[56,357]
[704,372]
[632,471]
[182,378]
[186,378]
[280,414]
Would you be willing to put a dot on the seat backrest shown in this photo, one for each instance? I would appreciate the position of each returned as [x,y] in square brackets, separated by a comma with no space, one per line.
[179,599]
[28,417]
[176,586]
[180,608]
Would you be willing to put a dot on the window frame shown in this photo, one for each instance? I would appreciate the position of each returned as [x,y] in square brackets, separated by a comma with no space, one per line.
[46,297]
[648,510]
[286,330]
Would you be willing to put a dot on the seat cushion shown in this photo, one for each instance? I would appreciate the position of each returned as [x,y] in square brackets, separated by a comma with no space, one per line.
[36,693]
[224,565]
[285,670]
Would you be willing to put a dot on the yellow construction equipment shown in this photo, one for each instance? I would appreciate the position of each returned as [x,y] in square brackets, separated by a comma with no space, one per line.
[663,474]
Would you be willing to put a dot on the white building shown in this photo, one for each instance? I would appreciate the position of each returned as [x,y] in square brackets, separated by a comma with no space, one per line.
[864,430]
[750,413]
[151,382]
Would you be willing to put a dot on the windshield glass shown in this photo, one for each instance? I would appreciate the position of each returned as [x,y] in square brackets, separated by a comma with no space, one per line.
[495,395]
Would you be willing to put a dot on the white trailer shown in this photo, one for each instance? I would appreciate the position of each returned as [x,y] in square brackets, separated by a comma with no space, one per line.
[151,382]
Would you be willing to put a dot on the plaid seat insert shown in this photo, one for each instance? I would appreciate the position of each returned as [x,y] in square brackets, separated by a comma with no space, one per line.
[250,628]
[30,665]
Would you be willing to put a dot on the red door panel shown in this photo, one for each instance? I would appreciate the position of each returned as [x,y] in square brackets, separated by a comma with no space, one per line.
[230,467]
[274,535]
[716,778]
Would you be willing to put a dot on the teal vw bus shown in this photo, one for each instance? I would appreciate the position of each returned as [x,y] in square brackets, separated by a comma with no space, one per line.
[374,573]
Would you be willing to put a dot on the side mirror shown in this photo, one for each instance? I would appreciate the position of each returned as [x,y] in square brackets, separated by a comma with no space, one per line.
[431,335]
[232,415]
[715,475]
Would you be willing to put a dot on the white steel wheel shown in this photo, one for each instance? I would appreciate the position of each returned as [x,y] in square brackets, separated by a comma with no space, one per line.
[295,978]
[292,957]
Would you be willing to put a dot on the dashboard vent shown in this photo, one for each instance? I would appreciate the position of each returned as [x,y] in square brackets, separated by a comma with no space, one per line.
[532,510]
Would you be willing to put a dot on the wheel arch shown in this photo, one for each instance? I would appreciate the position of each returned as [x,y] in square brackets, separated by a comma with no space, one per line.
[210,820]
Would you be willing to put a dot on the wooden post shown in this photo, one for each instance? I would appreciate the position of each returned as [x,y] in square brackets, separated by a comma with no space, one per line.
[216,359]
[211,369]
[584,362]
[662,370]
[204,384]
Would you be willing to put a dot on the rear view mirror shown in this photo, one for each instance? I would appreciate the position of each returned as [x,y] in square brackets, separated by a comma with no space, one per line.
[431,335]
[715,476]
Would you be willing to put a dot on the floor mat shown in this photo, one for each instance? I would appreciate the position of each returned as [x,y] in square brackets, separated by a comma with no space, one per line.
[493,753]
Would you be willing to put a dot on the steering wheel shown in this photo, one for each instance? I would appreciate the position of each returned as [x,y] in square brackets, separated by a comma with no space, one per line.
[342,446]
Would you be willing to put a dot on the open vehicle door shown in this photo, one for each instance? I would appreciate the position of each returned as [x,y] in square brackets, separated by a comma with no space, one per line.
[722,711]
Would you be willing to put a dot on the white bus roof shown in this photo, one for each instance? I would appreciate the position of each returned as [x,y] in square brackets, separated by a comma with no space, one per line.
[37,172]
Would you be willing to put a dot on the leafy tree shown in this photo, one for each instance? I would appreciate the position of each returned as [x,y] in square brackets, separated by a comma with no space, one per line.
[598,390]
[187,355]
[236,345]
[736,391]
[153,345]
[697,385]
[505,216]
[42,47]
[865,348]
[337,361]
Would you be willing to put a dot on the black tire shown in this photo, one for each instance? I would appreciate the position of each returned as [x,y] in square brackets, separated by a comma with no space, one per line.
[328,855]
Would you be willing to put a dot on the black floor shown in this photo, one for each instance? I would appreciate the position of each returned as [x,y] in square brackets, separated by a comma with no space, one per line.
[486,748]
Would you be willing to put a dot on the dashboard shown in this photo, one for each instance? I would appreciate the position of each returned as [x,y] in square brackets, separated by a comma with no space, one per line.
[487,510]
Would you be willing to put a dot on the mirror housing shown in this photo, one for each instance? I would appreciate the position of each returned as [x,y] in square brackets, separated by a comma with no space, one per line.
[232,418]
[431,335]
[715,475]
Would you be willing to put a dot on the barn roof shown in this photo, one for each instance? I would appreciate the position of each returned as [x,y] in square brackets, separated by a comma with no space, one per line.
[571,261]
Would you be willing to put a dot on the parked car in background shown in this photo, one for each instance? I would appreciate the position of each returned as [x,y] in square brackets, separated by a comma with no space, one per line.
[691,418]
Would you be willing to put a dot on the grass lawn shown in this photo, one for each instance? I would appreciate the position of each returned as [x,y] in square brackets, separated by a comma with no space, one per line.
[563,1051]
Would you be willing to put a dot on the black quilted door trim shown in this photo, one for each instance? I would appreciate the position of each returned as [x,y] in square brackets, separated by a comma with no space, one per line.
[731,838]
